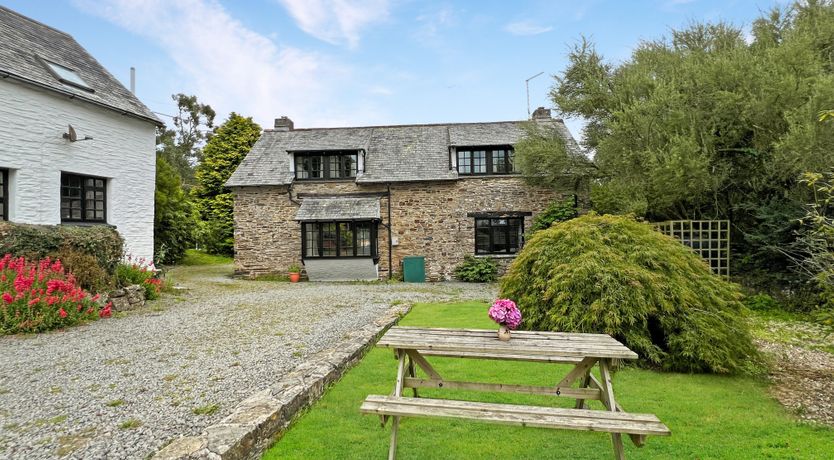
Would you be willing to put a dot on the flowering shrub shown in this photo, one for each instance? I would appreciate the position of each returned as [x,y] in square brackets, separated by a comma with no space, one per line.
[38,296]
[139,271]
[506,313]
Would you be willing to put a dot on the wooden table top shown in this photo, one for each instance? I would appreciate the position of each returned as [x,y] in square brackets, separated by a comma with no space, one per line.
[532,344]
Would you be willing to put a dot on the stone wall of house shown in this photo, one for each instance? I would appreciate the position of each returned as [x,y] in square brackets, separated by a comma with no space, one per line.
[428,219]
[267,239]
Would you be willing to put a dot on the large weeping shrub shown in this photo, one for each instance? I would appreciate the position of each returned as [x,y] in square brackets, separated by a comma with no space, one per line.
[614,275]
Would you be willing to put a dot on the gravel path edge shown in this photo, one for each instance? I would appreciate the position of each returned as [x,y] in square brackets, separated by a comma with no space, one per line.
[257,421]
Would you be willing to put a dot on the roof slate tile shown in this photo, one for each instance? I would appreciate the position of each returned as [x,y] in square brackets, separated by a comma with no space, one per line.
[401,153]
[25,41]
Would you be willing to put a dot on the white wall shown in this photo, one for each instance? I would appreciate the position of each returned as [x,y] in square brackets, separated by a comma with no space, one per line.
[122,150]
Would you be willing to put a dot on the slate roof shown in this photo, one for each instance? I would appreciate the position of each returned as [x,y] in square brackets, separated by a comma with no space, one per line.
[24,42]
[399,153]
[338,208]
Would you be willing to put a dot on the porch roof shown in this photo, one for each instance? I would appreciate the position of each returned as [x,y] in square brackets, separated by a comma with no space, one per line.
[338,208]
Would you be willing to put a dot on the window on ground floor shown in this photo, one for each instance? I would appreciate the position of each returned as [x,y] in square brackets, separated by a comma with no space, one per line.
[339,239]
[83,198]
[501,235]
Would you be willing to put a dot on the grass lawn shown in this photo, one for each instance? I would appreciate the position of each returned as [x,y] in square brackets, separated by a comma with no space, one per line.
[710,416]
[197,257]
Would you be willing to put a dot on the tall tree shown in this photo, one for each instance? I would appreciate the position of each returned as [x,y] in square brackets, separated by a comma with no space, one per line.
[181,146]
[174,217]
[223,152]
[703,124]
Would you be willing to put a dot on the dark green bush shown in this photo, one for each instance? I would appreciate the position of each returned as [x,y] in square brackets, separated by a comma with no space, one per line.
[614,275]
[85,269]
[38,241]
[174,217]
[216,236]
[762,302]
[558,211]
[477,270]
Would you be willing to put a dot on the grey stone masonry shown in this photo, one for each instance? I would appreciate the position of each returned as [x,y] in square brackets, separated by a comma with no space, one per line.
[127,298]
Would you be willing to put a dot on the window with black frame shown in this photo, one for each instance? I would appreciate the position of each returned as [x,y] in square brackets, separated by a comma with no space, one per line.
[326,165]
[83,198]
[4,191]
[338,239]
[486,160]
[501,235]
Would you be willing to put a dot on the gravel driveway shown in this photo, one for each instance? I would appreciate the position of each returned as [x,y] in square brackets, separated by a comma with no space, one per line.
[124,387]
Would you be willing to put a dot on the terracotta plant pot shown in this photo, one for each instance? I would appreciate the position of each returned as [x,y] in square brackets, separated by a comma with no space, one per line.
[503,333]
[294,277]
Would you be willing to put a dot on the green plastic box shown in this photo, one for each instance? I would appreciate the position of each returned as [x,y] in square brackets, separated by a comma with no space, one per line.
[414,269]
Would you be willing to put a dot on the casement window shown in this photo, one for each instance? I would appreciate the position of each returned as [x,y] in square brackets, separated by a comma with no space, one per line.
[501,235]
[486,160]
[338,239]
[4,191]
[326,165]
[83,198]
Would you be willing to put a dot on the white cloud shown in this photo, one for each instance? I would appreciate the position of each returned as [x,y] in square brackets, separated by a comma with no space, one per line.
[433,25]
[380,90]
[526,28]
[336,21]
[229,66]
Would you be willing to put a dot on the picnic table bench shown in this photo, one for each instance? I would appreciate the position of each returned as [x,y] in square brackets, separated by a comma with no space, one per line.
[412,345]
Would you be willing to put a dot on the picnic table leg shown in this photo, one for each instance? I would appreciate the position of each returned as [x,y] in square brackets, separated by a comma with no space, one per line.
[398,391]
[412,374]
[586,382]
[610,404]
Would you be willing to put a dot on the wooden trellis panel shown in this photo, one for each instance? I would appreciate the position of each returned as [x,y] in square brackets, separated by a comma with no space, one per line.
[709,238]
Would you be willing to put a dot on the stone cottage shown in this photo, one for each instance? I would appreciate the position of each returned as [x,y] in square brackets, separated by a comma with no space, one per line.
[76,146]
[350,203]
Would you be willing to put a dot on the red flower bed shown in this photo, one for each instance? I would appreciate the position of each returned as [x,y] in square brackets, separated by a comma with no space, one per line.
[38,296]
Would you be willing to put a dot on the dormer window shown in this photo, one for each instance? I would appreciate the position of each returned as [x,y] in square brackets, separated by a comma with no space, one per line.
[485,160]
[329,165]
[67,76]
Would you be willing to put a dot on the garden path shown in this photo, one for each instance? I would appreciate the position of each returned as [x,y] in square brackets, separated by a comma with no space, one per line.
[125,387]
[802,370]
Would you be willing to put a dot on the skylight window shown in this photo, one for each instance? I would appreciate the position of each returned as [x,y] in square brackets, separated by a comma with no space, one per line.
[67,76]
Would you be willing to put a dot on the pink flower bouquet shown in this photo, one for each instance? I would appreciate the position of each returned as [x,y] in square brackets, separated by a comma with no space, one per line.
[506,313]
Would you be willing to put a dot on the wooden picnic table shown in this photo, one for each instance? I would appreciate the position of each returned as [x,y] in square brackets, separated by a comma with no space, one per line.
[412,346]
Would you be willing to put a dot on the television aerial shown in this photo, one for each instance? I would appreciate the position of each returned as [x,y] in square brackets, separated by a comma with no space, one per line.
[72,136]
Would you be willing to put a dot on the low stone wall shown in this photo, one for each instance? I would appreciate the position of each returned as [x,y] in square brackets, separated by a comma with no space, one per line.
[127,298]
[257,421]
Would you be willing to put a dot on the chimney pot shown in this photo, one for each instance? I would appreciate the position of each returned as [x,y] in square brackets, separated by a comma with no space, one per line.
[283,124]
[542,113]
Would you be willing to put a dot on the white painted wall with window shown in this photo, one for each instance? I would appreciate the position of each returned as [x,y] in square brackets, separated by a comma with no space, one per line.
[122,152]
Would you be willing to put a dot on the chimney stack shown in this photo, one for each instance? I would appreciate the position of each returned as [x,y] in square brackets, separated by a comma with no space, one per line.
[542,113]
[133,80]
[283,124]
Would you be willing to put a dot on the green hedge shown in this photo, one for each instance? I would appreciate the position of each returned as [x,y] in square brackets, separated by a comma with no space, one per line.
[38,241]
[477,270]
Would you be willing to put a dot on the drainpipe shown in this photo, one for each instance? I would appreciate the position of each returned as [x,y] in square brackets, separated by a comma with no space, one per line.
[289,194]
[390,241]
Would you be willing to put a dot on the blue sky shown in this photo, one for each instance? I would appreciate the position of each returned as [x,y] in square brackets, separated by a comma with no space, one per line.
[349,63]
